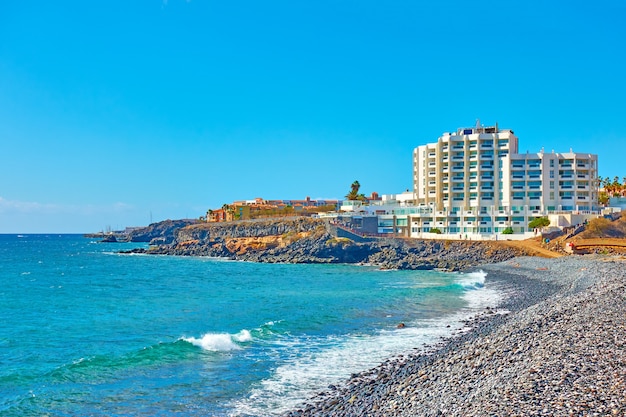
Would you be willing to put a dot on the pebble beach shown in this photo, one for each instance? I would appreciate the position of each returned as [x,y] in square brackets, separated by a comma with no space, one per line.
[556,346]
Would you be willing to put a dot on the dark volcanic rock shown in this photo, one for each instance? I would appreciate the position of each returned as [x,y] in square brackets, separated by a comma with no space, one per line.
[161,232]
[305,240]
[109,239]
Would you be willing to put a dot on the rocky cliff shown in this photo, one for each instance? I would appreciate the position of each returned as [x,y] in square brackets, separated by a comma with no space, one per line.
[161,232]
[305,240]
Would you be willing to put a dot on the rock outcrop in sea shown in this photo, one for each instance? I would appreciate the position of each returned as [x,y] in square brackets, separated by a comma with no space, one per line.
[307,240]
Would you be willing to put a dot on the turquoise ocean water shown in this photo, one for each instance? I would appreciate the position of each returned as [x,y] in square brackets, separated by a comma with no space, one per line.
[85,331]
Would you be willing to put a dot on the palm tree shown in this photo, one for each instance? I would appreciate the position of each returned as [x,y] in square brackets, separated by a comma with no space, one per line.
[616,187]
[354,192]
[606,184]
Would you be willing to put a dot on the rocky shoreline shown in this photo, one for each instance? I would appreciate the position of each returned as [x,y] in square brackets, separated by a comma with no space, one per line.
[560,351]
[304,240]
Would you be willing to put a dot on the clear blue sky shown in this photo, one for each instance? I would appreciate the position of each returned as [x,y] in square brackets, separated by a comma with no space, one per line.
[113,113]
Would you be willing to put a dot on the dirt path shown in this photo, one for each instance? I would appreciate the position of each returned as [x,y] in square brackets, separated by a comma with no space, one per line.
[533,247]
[586,243]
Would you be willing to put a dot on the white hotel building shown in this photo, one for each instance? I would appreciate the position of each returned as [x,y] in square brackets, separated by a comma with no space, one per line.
[475,182]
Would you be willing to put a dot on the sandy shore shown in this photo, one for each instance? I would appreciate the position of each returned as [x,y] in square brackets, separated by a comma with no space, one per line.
[560,351]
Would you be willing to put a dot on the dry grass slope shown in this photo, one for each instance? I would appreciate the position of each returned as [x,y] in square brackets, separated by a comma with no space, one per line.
[604,228]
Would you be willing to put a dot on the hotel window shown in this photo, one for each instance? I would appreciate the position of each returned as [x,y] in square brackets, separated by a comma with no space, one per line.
[551,163]
[551,174]
[552,185]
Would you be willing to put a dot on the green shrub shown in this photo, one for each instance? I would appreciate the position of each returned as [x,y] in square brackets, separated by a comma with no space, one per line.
[508,231]
[539,222]
[435,230]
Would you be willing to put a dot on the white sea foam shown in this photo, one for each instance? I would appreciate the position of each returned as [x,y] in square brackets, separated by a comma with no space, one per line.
[318,362]
[243,336]
[220,342]
[477,295]
[472,280]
